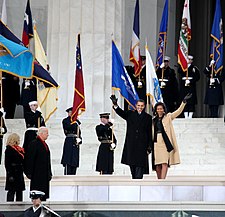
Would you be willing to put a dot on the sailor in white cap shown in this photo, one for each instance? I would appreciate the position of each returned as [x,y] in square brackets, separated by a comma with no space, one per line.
[33,120]
[168,84]
[188,85]
[214,90]
[38,209]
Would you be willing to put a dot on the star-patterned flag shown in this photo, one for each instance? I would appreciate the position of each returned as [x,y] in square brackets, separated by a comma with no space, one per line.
[79,99]
[27,26]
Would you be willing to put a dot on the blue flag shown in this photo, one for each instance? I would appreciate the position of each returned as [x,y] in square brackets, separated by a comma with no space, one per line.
[15,59]
[120,79]
[162,36]
[216,52]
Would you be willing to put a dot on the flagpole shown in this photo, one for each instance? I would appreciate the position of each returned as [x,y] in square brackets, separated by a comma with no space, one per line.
[212,69]
[163,60]
[1,101]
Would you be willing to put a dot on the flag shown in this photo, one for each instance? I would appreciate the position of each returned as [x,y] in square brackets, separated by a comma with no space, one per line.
[121,80]
[185,36]
[162,36]
[15,59]
[216,52]
[4,14]
[135,56]
[27,26]
[79,99]
[152,83]
[46,95]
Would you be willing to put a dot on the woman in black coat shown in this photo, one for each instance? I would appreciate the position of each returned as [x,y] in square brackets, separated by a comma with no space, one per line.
[14,156]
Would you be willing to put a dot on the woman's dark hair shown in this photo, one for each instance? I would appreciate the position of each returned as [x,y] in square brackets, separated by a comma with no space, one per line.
[159,104]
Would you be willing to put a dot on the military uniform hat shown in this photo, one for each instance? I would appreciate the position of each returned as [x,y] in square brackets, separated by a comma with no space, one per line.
[104,115]
[69,109]
[33,103]
[36,194]
[143,57]
[190,57]
[166,58]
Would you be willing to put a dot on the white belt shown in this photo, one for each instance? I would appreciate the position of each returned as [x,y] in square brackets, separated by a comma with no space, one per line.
[32,128]
[188,78]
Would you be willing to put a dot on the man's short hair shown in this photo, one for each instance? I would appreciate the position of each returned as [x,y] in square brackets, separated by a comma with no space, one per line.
[140,100]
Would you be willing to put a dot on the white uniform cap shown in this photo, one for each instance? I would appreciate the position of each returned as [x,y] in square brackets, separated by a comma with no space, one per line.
[190,57]
[34,194]
[166,58]
[33,103]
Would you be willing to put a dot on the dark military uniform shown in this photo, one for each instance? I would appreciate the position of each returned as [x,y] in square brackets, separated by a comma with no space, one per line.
[28,93]
[170,90]
[214,92]
[33,120]
[138,140]
[193,74]
[1,134]
[71,150]
[105,157]
[11,94]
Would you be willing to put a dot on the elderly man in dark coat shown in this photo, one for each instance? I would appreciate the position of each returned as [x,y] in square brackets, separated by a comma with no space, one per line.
[214,90]
[71,148]
[138,140]
[105,157]
[38,163]
[188,85]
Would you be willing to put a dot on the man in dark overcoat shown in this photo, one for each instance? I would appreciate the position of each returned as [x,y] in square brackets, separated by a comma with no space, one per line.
[71,148]
[168,85]
[38,163]
[33,120]
[214,90]
[105,157]
[188,85]
[138,141]
[3,130]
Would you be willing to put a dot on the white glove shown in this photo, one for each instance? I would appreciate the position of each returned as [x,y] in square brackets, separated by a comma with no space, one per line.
[2,130]
[211,63]
[187,82]
[113,145]
[111,121]
[163,84]
[2,110]
[78,140]
[139,83]
[162,65]
[212,81]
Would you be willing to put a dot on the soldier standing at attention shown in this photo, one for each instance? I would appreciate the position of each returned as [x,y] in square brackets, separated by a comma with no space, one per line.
[71,148]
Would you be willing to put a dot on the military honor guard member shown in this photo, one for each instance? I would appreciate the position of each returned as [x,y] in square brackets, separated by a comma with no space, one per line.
[188,85]
[214,90]
[105,157]
[33,120]
[38,209]
[3,130]
[38,163]
[138,141]
[71,149]
[168,85]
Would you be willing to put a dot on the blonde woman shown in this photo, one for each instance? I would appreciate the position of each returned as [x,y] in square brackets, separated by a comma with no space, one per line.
[14,157]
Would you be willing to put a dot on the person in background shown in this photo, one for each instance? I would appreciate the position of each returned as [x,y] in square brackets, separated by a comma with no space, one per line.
[168,85]
[105,157]
[188,85]
[3,130]
[14,159]
[165,150]
[33,120]
[38,163]
[71,149]
[138,141]
[214,90]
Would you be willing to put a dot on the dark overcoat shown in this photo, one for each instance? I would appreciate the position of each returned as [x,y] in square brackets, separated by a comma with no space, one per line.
[214,93]
[105,156]
[14,169]
[170,91]
[38,166]
[71,150]
[193,72]
[138,139]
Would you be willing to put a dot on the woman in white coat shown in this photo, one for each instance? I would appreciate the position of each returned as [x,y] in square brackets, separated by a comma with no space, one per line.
[165,150]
